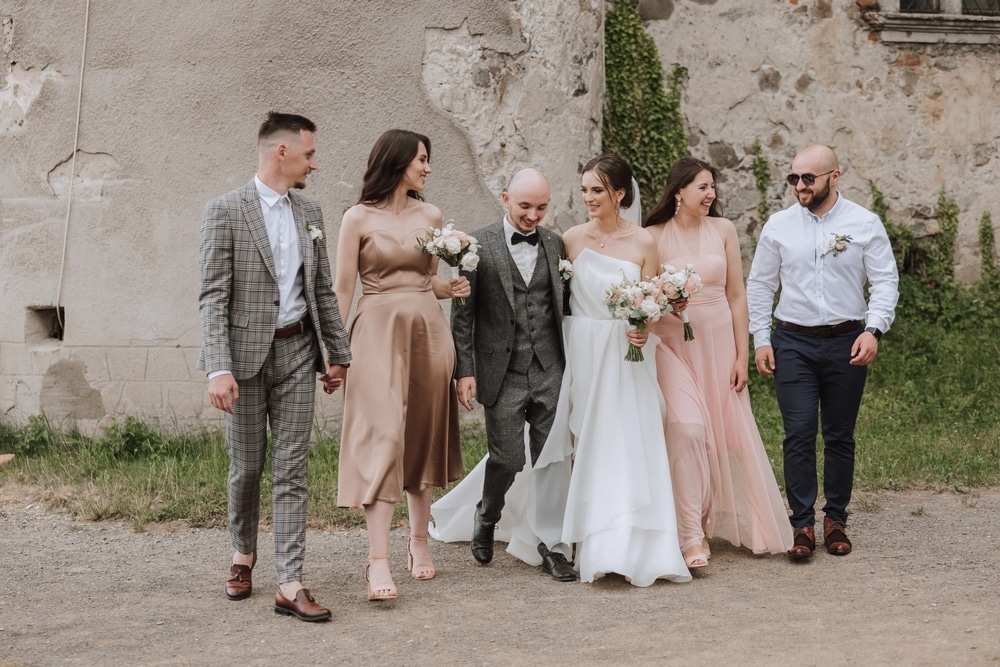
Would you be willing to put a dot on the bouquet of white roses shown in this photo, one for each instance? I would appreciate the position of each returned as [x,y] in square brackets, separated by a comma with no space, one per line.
[457,249]
[682,284]
[638,302]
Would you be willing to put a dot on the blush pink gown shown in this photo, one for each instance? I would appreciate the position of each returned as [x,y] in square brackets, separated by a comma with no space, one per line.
[723,482]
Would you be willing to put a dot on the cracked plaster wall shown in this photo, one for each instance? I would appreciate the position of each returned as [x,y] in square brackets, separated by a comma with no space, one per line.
[911,118]
[172,98]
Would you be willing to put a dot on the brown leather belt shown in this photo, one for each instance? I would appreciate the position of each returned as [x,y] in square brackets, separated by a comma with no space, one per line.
[825,331]
[293,330]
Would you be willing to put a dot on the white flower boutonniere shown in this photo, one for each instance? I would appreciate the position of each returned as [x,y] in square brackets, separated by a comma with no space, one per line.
[565,269]
[315,233]
[837,244]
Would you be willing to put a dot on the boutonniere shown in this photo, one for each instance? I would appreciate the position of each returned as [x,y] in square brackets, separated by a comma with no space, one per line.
[565,269]
[837,244]
[315,233]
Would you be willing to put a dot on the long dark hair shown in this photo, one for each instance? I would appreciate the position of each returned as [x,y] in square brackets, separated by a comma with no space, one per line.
[680,175]
[390,156]
[614,173]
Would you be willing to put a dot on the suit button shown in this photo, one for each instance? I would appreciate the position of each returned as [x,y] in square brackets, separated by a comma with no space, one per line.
[277,303]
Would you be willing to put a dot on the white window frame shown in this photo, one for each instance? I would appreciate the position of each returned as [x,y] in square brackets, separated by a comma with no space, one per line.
[949,26]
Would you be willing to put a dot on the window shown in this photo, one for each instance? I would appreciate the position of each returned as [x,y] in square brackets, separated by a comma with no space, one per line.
[935,21]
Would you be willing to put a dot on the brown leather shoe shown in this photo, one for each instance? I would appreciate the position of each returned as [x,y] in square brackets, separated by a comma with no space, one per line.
[835,537]
[239,585]
[804,544]
[304,607]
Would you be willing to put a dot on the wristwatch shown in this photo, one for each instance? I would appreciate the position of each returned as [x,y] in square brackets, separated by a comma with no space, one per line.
[875,332]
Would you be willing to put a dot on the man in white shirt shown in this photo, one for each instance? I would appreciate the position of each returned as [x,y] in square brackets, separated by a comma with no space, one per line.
[270,322]
[820,252]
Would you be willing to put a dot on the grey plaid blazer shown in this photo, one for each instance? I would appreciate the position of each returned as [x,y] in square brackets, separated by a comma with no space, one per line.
[484,327]
[238,303]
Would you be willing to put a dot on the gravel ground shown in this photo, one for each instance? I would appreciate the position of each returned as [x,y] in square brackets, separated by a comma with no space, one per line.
[921,588]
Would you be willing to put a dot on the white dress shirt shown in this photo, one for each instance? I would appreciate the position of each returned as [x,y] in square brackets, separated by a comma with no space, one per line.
[284,240]
[525,255]
[819,287]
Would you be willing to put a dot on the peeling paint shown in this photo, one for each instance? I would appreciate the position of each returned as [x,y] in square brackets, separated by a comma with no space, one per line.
[21,88]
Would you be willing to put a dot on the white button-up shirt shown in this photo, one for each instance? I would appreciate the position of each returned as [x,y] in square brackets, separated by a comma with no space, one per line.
[820,284]
[284,240]
[525,255]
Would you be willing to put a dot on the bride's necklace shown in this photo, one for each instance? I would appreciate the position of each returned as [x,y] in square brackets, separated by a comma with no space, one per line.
[607,238]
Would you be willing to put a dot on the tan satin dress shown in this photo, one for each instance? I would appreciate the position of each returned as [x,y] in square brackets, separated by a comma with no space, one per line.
[400,406]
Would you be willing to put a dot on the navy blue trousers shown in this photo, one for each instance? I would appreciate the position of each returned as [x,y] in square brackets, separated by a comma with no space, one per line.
[816,384]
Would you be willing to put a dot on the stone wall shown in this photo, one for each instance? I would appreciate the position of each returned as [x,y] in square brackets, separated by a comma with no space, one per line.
[911,118]
[172,95]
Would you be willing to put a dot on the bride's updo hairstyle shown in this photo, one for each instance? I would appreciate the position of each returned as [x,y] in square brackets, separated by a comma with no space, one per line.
[681,174]
[390,156]
[614,174]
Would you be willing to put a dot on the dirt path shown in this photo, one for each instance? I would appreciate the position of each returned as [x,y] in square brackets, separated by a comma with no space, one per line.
[921,589]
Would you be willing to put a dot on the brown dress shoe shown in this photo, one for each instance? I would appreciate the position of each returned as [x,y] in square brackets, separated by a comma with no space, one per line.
[835,537]
[239,585]
[304,607]
[804,544]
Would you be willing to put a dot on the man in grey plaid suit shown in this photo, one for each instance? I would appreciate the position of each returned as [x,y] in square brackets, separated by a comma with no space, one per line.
[510,358]
[269,321]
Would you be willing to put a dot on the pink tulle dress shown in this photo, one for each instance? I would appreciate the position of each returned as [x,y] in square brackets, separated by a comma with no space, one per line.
[723,482]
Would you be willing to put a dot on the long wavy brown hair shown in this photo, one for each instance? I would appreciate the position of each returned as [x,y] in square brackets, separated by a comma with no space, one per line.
[681,174]
[390,156]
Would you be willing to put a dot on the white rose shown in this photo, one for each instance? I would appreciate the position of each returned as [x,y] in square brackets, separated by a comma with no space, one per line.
[650,308]
[452,245]
[470,262]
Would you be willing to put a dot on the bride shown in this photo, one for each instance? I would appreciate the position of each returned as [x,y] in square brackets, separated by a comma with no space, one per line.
[602,481]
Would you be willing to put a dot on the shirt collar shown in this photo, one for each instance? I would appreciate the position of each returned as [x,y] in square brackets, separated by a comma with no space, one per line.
[509,229]
[267,195]
[836,207]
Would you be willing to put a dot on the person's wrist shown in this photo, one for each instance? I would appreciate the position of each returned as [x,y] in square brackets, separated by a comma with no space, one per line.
[875,331]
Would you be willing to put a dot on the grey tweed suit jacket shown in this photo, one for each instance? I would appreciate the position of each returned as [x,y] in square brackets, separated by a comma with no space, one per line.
[484,327]
[238,303]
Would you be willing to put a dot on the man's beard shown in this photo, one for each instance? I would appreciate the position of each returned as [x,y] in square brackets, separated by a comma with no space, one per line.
[818,198]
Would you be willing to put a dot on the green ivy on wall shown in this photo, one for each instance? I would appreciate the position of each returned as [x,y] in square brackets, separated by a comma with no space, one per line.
[927,286]
[762,176]
[642,121]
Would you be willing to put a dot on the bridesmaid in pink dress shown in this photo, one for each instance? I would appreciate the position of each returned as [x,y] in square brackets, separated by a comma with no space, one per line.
[723,482]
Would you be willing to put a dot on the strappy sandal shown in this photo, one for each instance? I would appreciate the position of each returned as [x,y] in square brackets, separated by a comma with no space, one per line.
[382,592]
[418,572]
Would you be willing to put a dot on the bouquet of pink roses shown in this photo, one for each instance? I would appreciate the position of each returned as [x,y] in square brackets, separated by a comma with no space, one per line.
[638,302]
[682,284]
[455,248]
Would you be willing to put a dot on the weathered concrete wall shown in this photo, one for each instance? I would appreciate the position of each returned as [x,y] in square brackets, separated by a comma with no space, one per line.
[910,118]
[172,97]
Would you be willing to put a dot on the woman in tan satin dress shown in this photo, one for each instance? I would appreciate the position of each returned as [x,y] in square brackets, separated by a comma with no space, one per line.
[400,407]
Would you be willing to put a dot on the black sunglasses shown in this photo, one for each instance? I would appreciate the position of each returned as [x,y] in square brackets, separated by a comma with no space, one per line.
[808,179]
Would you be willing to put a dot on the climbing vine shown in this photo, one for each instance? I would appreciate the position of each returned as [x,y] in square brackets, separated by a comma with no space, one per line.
[642,120]
[762,175]
[987,249]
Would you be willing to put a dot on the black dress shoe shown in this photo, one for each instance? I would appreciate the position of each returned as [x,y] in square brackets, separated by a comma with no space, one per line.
[482,540]
[556,565]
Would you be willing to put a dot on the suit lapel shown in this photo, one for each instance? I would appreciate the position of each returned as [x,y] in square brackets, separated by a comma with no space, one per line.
[305,240]
[254,217]
[501,258]
[552,263]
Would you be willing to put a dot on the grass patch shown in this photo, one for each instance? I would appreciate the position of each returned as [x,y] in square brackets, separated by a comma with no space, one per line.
[929,419]
[136,475]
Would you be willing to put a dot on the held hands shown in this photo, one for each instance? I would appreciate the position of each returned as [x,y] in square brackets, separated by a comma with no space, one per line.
[333,378]
[466,391]
[864,349]
[223,391]
[636,337]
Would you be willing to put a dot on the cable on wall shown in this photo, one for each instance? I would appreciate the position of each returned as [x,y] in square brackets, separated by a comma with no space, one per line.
[72,167]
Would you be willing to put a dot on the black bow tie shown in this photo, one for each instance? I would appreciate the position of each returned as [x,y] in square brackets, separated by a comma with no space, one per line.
[530,239]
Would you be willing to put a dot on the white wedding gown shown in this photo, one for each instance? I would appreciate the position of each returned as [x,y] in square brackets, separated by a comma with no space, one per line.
[602,481]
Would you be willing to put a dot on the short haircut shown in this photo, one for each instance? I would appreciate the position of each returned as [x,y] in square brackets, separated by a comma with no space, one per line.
[284,122]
